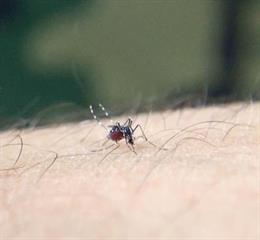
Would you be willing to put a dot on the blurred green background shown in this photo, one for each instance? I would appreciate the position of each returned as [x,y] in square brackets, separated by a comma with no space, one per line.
[58,56]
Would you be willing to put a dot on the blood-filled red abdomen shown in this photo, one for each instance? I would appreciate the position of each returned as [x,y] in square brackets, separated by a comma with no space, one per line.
[116,136]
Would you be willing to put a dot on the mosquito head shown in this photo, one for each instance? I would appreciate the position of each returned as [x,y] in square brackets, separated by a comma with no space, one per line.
[114,128]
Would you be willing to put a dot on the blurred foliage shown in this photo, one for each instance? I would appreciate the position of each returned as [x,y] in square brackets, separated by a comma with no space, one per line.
[23,91]
[125,53]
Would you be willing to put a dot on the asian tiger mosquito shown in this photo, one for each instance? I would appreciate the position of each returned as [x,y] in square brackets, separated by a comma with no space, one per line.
[119,131]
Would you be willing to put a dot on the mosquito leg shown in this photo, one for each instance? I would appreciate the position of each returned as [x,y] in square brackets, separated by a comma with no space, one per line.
[139,126]
[132,149]
[117,146]
[127,122]
[126,139]
[105,142]
[145,138]
[101,149]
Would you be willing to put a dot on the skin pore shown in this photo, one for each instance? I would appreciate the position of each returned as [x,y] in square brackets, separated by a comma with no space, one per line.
[199,179]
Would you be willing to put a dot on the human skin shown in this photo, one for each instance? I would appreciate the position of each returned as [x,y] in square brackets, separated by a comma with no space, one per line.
[200,182]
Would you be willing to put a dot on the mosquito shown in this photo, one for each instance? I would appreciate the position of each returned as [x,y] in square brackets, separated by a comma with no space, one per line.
[118,131]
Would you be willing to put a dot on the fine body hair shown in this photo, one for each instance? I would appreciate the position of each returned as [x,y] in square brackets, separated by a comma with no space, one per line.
[195,169]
